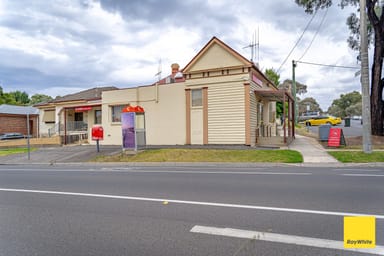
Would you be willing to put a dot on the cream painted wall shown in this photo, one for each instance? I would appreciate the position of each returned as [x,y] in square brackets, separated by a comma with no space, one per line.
[164,120]
[216,57]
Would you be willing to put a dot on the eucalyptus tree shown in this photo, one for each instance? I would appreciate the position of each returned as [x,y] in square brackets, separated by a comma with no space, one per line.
[375,29]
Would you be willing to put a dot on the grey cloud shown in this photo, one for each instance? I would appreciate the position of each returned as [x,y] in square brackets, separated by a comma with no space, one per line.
[189,14]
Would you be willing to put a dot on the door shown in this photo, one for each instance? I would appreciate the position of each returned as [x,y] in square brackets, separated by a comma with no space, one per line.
[197,126]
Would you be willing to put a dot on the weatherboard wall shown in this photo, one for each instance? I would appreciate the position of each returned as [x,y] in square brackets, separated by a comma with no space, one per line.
[226,116]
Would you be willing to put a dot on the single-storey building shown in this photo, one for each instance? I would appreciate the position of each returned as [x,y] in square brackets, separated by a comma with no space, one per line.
[71,116]
[15,119]
[219,97]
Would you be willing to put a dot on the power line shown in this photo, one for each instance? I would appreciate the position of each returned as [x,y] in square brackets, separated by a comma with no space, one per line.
[297,42]
[314,36]
[326,65]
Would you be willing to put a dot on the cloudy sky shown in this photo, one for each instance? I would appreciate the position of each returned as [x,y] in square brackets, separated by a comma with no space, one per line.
[59,47]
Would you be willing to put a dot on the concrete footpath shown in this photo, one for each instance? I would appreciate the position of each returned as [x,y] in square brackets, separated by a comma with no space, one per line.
[311,150]
[60,154]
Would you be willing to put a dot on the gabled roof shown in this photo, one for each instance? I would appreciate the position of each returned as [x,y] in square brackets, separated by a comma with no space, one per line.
[238,56]
[211,42]
[18,110]
[90,94]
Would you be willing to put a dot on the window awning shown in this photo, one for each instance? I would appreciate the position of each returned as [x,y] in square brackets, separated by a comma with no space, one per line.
[273,95]
[49,116]
[83,109]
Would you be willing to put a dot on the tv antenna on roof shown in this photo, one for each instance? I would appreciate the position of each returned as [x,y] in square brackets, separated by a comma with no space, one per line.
[255,46]
[158,74]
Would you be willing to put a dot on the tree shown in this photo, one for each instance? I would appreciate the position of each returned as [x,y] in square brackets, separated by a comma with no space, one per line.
[376,34]
[272,75]
[300,88]
[311,102]
[347,105]
[6,98]
[21,98]
[38,98]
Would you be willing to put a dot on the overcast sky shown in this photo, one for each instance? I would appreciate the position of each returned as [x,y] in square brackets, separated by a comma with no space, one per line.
[59,47]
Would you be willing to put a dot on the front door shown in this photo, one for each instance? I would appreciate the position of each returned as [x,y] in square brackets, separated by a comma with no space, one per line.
[79,124]
[78,116]
[197,126]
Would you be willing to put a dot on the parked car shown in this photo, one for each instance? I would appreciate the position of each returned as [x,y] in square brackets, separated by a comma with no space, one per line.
[320,120]
[11,136]
[308,115]
[356,117]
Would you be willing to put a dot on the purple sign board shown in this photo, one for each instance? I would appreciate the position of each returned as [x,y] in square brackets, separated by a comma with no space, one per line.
[128,128]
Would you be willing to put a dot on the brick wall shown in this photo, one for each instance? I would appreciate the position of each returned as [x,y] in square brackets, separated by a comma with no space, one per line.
[18,123]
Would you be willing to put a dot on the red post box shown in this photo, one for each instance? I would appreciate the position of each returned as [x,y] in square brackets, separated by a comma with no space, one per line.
[97,132]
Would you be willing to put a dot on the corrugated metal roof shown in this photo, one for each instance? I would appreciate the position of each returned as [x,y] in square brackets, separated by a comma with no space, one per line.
[18,110]
[90,94]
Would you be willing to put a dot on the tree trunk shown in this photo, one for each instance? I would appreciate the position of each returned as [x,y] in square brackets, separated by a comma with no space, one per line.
[377,104]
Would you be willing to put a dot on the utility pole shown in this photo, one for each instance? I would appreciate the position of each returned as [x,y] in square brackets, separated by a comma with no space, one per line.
[367,141]
[294,89]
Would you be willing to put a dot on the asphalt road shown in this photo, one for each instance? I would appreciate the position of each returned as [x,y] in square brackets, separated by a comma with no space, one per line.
[355,129]
[64,210]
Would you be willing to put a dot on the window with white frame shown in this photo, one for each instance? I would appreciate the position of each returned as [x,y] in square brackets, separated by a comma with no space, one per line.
[116,113]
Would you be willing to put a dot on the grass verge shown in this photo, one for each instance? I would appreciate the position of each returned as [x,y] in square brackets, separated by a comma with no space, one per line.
[357,156]
[10,151]
[206,155]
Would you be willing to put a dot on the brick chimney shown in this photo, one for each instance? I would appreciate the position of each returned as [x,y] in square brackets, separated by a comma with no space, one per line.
[175,68]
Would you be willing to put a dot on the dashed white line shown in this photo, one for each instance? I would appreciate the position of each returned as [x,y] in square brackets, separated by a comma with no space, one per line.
[363,175]
[357,170]
[282,238]
[227,205]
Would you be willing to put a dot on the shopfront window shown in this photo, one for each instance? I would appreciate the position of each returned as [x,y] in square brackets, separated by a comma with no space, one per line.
[116,113]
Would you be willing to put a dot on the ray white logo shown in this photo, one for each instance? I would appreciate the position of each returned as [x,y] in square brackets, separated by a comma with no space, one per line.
[358,242]
[359,232]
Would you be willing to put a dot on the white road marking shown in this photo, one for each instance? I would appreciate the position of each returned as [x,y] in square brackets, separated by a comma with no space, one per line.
[219,172]
[358,170]
[154,171]
[124,170]
[286,239]
[240,206]
[363,175]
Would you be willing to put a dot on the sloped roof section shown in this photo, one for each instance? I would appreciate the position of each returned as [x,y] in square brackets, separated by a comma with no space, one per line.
[18,110]
[220,48]
[90,94]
